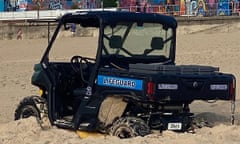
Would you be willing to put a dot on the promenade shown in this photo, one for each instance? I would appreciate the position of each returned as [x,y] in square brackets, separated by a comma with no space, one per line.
[34,27]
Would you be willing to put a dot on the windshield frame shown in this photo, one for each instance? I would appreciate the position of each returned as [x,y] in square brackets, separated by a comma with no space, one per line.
[138,42]
[100,19]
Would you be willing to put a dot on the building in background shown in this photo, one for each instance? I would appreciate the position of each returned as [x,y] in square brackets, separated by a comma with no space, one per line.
[169,7]
[1,5]
[22,5]
[25,5]
[7,5]
[223,7]
[184,7]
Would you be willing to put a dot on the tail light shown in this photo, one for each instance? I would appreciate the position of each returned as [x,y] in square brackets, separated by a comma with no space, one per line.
[150,90]
[232,92]
[232,89]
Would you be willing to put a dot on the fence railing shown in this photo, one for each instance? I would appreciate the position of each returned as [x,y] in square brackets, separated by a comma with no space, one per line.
[42,14]
[27,15]
[175,10]
[191,8]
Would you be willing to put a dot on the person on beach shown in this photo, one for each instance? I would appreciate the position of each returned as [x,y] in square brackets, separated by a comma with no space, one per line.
[73,29]
[19,34]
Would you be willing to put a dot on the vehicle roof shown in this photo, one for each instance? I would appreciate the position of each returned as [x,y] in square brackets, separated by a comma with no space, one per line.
[91,18]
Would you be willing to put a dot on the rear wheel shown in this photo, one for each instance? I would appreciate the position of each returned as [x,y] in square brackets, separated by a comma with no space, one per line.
[128,127]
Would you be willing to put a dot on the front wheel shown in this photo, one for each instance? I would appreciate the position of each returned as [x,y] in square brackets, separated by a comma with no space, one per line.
[33,106]
[26,108]
[128,127]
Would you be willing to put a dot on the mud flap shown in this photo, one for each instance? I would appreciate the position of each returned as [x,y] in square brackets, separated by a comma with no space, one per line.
[111,108]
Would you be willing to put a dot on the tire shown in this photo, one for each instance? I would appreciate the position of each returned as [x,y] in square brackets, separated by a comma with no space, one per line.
[128,127]
[26,108]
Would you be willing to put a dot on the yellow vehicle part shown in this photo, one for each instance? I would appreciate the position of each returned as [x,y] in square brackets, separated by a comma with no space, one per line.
[40,92]
[85,134]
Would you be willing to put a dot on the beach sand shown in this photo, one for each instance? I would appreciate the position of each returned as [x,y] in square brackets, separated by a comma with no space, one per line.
[217,46]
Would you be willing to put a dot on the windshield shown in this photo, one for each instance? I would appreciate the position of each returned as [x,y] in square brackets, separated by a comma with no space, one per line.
[139,42]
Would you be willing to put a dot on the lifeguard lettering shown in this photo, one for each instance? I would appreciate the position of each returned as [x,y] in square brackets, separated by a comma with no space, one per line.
[120,82]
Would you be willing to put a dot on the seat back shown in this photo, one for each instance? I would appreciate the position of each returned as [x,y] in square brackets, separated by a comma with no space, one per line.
[115,42]
[157,43]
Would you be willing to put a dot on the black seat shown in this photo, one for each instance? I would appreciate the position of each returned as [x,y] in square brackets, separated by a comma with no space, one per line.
[157,43]
[115,42]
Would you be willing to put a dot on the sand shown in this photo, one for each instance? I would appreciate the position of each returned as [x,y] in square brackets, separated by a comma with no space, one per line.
[216,46]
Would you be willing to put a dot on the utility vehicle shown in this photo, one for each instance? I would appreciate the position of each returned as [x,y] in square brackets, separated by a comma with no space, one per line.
[130,87]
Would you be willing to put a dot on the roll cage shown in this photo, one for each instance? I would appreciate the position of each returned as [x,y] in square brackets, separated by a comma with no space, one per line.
[102,19]
[113,21]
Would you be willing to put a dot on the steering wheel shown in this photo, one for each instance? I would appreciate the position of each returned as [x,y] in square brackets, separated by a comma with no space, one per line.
[79,63]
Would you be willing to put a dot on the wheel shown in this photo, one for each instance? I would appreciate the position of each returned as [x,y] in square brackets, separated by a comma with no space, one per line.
[26,108]
[128,127]
[33,106]
[81,66]
[77,63]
